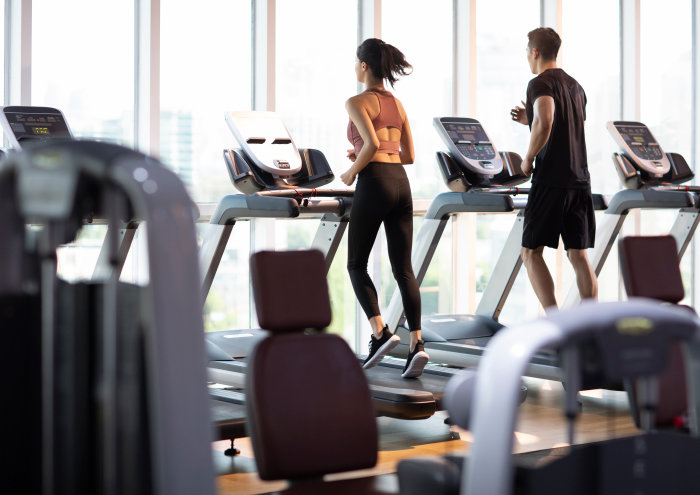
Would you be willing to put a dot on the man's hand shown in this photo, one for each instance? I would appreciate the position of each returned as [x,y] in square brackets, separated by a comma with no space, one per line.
[527,166]
[348,177]
[518,114]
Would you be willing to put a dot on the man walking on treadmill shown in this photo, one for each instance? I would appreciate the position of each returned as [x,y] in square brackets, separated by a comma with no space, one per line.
[560,202]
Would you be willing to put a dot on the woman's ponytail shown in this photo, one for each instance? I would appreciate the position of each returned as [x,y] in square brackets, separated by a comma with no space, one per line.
[385,60]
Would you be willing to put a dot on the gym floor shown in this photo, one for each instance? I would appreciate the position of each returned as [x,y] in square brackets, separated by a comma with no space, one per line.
[541,426]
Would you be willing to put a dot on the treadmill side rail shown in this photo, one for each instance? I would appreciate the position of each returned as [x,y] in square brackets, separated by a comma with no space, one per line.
[427,240]
[504,273]
[441,208]
[684,228]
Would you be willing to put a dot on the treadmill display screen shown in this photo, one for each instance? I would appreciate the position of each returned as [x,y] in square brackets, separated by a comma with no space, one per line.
[471,140]
[37,126]
[640,141]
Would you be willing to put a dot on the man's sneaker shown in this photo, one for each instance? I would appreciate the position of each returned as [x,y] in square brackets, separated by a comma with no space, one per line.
[415,362]
[378,348]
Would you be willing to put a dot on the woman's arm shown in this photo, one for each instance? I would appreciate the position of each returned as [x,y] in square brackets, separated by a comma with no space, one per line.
[407,154]
[360,117]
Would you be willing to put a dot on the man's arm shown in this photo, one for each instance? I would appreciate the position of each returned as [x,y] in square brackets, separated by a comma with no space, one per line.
[542,120]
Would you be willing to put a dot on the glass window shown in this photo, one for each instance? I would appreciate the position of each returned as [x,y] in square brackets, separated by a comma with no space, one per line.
[666,35]
[86,70]
[600,78]
[78,260]
[502,75]
[314,76]
[205,71]
[666,93]
[83,64]
[424,35]
[502,71]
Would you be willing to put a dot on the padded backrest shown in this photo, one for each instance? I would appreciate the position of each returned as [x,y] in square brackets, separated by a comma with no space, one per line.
[650,267]
[308,401]
[290,290]
[309,408]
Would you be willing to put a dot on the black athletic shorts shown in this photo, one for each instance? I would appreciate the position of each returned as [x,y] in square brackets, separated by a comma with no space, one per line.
[552,212]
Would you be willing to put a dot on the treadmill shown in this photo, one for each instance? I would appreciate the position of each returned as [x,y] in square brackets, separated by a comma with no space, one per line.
[278,180]
[25,126]
[653,179]
[482,180]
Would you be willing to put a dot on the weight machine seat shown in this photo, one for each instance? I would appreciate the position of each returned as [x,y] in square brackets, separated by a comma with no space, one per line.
[650,268]
[308,401]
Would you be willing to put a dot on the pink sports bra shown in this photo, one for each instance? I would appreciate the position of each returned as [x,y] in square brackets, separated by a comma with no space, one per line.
[389,116]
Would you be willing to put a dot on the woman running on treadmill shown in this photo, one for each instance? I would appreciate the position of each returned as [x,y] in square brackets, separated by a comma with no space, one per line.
[382,144]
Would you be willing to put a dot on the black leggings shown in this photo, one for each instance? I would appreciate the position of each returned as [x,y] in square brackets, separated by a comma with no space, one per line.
[383,194]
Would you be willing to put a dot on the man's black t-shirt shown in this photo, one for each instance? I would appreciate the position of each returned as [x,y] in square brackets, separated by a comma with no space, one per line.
[562,162]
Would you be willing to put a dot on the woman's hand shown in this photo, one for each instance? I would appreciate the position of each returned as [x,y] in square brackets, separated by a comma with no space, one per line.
[351,155]
[348,177]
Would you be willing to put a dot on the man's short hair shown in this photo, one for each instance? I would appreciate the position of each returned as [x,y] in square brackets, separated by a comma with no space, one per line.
[546,40]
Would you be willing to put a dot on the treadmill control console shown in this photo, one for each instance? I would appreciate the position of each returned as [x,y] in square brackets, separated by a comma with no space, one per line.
[640,146]
[469,144]
[265,140]
[23,125]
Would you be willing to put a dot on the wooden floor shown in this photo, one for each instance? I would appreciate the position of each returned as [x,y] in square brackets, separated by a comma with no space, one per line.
[541,425]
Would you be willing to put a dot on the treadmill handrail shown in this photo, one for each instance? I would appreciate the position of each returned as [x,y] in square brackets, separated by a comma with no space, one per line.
[237,206]
[629,199]
[502,190]
[450,203]
[308,193]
